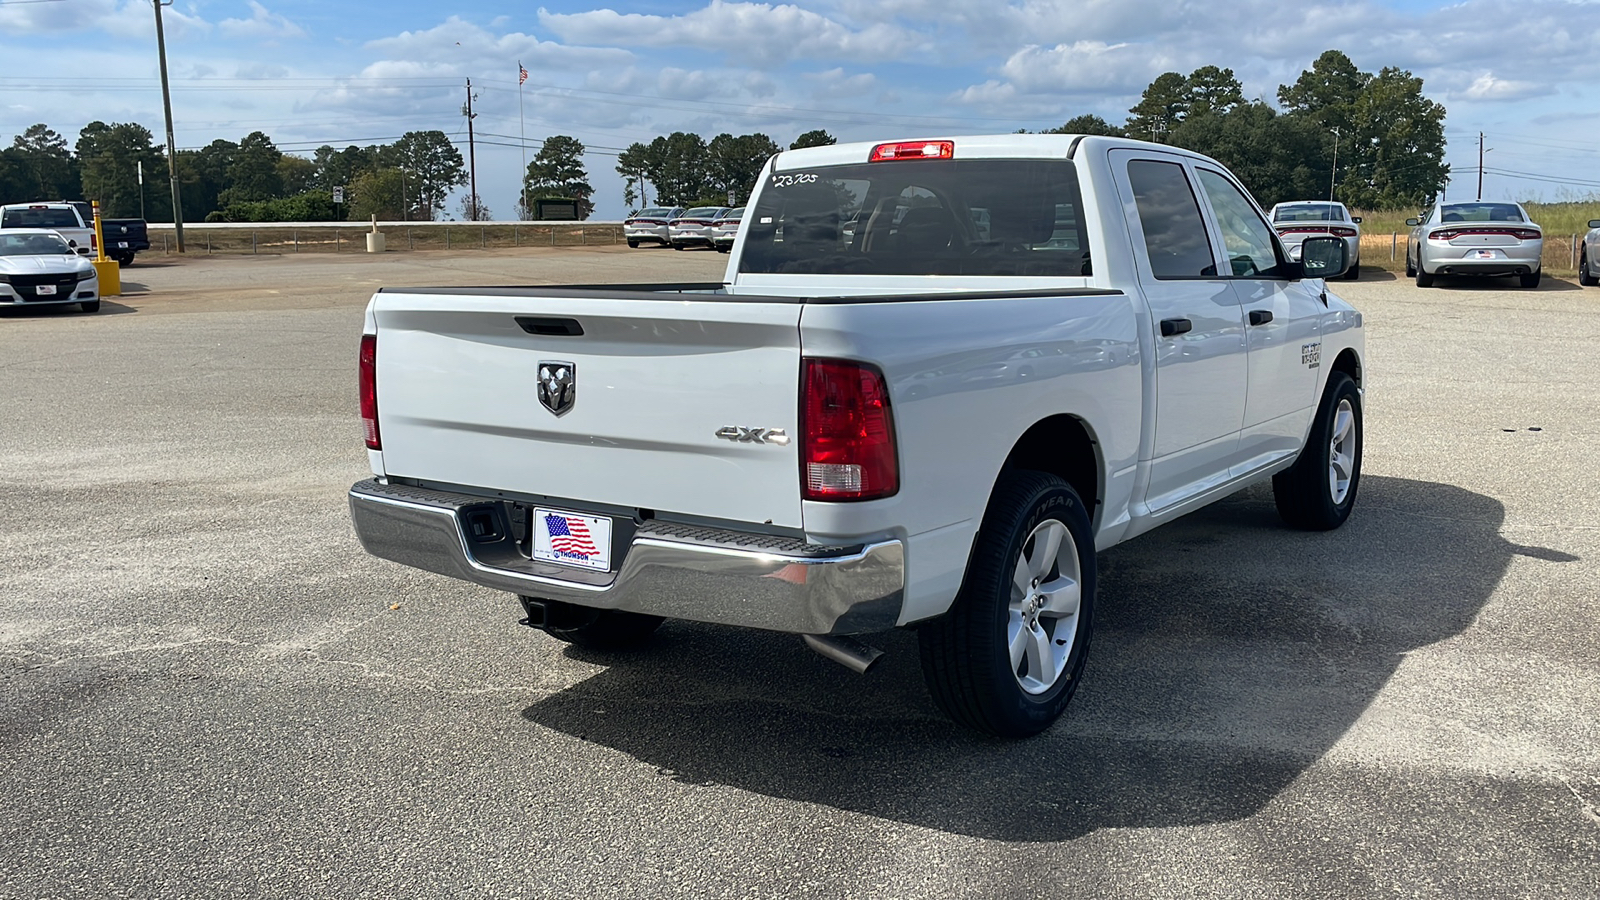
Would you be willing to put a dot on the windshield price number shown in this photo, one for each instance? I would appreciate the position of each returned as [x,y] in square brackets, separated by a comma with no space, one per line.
[779,181]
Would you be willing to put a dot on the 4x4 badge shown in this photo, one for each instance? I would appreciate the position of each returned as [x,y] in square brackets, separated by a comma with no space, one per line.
[558,385]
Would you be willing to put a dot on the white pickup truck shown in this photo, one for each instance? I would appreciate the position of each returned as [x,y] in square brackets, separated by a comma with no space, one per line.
[62,218]
[938,376]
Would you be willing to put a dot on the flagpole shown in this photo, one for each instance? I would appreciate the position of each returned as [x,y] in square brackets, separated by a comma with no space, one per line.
[523,134]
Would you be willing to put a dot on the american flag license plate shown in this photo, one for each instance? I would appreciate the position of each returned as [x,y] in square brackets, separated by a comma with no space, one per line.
[571,539]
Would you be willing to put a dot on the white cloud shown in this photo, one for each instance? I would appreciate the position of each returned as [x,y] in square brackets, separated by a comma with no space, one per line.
[466,46]
[756,32]
[262,24]
[1085,66]
[1489,87]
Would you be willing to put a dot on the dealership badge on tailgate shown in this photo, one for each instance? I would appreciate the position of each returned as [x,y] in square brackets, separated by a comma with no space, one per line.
[569,538]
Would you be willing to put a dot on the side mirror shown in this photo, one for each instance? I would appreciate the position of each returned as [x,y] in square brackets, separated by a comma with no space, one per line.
[1594,223]
[1324,257]
[1356,219]
[1413,221]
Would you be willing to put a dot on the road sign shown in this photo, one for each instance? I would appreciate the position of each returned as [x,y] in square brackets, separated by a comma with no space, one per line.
[338,194]
[730,198]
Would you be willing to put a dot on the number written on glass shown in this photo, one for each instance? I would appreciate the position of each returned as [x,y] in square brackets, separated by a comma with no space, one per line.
[779,181]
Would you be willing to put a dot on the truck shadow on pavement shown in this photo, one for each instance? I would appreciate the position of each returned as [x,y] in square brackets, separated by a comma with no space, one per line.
[1230,655]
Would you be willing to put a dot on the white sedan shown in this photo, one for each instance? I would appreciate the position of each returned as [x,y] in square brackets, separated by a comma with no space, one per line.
[37,268]
[1589,256]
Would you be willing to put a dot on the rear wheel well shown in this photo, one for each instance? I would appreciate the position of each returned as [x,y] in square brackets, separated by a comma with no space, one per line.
[1062,446]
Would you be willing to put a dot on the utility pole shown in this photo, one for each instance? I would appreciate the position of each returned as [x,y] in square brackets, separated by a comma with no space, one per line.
[172,145]
[1334,177]
[472,155]
[1480,165]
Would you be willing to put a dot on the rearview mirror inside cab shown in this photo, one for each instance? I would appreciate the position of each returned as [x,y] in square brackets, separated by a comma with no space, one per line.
[1324,257]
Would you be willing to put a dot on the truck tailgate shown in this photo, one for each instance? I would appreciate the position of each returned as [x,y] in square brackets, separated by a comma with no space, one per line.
[656,377]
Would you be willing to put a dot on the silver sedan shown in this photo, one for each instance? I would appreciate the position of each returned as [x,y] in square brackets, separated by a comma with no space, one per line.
[1475,237]
[1297,220]
[695,227]
[1589,256]
[650,225]
[37,268]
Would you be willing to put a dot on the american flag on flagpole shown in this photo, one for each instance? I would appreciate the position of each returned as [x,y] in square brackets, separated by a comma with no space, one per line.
[570,537]
[522,74]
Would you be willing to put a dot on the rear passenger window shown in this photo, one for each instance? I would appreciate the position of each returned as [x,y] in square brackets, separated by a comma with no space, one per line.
[1174,231]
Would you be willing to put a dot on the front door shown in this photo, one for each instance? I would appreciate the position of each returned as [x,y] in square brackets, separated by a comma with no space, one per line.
[1282,326]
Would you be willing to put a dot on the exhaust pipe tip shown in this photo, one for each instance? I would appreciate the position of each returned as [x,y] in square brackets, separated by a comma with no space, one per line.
[844,650]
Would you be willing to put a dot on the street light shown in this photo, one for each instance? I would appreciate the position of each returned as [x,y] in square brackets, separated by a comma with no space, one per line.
[172,145]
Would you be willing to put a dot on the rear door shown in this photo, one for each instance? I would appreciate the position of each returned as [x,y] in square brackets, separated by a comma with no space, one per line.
[1200,361]
[666,394]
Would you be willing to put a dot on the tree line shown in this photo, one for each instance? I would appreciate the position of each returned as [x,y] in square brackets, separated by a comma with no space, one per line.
[225,181]
[1372,140]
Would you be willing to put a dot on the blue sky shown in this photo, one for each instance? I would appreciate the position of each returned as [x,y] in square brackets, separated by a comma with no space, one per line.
[307,73]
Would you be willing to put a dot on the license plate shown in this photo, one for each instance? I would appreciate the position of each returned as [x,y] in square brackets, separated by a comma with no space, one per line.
[1483,254]
[45,290]
[572,539]
[122,244]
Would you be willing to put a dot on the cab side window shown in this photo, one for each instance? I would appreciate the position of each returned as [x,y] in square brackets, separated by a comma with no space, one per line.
[1252,252]
[1174,231]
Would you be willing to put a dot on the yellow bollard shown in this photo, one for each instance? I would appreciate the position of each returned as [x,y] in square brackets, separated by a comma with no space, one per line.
[108,270]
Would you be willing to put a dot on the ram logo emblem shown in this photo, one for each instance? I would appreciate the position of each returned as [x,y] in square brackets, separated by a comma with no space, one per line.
[558,385]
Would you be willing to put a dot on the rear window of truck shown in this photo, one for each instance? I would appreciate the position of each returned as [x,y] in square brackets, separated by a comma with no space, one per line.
[58,217]
[920,217]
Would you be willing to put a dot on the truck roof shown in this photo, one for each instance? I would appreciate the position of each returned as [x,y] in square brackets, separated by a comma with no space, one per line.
[972,146]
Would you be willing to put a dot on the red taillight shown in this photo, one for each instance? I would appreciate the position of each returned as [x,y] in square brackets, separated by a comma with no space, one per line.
[847,446]
[1443,235]
[1526,234]
[1343,232]
[369,390]
[913,150]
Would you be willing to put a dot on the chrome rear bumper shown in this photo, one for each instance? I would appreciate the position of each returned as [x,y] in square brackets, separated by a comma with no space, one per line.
[665,569]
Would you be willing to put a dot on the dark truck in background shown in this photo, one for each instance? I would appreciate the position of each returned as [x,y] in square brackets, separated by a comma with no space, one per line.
[123,237]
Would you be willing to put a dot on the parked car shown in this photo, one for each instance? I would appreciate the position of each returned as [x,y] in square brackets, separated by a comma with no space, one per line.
[650,225]
[725,229]
[1297,220]
[37,268]
[695,227]
[1475,237]
[123,237]
[1589,256]
[920,427]
[62,218]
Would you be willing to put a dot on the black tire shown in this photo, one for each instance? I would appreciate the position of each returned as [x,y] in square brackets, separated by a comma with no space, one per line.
[597,629]
[1531,280]
[1305,492]
[1411,270]
[678,247]
[1354,274]
[1423,278]
[633,243]
[1586,276]
[90,306]
[125,260]
[966,658]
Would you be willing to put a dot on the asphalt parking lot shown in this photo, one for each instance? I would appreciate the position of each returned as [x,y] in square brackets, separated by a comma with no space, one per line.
[208,689]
